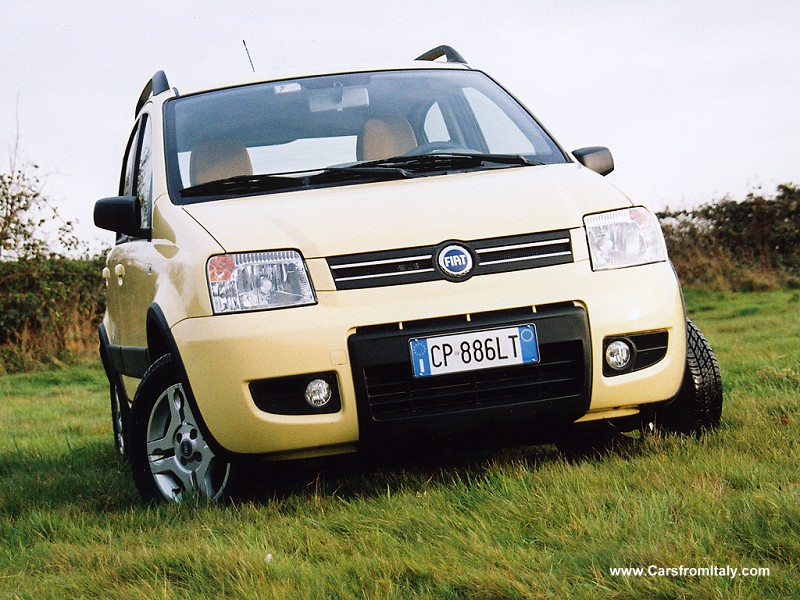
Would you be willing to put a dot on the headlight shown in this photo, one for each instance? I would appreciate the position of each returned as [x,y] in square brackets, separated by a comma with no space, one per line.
[624,238]
[258,281]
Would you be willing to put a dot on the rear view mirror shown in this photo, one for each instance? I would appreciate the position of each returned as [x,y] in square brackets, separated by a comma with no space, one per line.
[119,214]
[337,98]
[596,158]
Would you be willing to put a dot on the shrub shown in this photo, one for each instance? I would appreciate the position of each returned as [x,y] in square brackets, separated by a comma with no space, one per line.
[49,308]
[743,245]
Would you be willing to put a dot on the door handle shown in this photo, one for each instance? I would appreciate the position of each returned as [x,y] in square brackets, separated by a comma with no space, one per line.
[119,271]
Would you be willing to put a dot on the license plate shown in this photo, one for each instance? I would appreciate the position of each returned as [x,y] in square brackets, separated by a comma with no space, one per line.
[474,350]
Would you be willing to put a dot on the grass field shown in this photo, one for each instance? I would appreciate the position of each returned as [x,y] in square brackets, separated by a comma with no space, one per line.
[522,523]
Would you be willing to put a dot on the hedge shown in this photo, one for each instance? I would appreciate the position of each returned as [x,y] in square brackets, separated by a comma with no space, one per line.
[48,307]
[738,245]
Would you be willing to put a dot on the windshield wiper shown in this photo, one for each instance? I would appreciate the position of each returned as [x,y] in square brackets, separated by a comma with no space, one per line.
[346,172]
[421,163]
[253,184]
[398,167]
[243,184]
[500,159]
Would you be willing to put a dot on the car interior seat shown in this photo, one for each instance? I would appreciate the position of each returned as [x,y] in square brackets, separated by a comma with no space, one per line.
[218,159]
[385,138]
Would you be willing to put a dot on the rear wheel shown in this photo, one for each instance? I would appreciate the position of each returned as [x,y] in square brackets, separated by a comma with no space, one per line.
[120,417]
[698,405]
[169,454]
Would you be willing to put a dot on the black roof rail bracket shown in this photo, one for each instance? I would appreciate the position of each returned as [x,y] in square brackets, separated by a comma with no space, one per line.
[448,52]
[157,84]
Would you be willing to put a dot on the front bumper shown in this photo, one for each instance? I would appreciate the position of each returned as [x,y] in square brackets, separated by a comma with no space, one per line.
[350,332]
[394,408]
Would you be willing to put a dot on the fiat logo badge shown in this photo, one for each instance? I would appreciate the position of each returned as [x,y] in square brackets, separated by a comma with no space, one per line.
[455,261]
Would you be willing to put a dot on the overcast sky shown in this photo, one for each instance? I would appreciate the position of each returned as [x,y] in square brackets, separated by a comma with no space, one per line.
[695,99]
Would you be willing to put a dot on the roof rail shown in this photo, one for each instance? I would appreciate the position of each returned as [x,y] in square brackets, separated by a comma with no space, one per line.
[448,52]
[158,83]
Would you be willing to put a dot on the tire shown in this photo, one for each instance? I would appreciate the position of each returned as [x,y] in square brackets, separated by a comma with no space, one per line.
[120,419]
[169,453]
[698,406]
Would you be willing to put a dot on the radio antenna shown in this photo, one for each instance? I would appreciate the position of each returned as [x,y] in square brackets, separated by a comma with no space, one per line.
[248,56]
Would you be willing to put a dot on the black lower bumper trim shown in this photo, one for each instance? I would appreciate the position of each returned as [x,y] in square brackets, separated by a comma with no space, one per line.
[394,407]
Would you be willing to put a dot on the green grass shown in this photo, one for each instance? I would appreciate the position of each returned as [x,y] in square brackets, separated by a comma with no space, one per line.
[521,523]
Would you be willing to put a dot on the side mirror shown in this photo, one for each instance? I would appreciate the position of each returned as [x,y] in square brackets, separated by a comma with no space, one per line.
[596,158]
[119,214]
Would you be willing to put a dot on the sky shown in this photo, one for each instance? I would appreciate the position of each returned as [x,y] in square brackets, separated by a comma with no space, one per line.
[696,100]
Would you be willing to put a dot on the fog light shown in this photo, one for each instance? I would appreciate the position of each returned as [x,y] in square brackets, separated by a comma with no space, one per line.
[618,355]
[318,393]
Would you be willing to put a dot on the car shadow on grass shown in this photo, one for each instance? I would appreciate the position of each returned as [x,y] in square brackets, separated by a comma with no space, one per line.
[374,474]
[95,478]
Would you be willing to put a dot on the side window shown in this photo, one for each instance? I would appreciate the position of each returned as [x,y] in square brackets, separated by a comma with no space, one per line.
[127,180]
[144,177]
[137,172]
[435,127]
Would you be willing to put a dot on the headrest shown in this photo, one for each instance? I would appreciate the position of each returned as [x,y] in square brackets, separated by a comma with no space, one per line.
[386,138]
[218,159]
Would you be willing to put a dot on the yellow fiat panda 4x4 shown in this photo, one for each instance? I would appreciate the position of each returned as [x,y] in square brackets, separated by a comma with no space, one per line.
[377,259]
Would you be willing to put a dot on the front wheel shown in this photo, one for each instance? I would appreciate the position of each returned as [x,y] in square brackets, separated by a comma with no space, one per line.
[169,455]
[698,405]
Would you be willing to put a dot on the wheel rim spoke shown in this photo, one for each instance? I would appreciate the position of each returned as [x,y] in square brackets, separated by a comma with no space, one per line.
[119,426]
[159,446]
[175,402]
[165,420]
[163,464]
[179,458]
[203,478]
[209,468]
[171,479]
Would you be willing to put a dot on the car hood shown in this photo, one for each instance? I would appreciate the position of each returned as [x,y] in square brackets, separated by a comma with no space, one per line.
[412,212]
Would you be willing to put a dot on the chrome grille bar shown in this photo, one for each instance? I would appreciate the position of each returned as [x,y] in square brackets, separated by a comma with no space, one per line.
[416,265]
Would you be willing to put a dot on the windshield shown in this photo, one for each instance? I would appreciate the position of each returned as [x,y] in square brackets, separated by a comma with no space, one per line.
[346,129]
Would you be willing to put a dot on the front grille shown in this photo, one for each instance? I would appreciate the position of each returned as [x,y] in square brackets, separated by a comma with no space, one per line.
[410,265]
[393,404]
[414,265]
[393,393]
